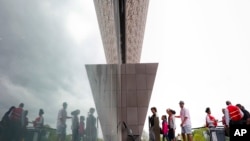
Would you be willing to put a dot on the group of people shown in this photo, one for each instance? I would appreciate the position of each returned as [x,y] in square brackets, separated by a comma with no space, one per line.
[15,121]
[79,132]
[232,115]
[168,125]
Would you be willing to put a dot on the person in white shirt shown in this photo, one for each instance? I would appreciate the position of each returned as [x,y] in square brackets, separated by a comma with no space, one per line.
[171,123]
[211,122]
[61,123]
[38,124]
[185,122]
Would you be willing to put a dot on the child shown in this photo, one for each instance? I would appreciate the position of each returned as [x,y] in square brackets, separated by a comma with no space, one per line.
[164,129]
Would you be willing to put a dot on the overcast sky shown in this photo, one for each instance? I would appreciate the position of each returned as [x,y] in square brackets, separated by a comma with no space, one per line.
[203,52]
[44,46]
[202,48]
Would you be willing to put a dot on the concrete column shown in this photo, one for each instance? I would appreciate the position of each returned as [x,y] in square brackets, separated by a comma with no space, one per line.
[121,93]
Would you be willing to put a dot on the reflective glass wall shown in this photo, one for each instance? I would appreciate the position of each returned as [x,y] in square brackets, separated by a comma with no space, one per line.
[44,46]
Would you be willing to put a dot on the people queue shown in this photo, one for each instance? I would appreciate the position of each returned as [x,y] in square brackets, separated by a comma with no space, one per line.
[232,115]
[80,132]
[14,123]
[168,126]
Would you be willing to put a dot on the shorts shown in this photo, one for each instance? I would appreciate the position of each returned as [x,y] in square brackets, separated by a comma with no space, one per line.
[61,130]
[186,129]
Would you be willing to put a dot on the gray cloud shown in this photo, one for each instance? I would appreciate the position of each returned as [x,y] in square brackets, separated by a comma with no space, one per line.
[40,64]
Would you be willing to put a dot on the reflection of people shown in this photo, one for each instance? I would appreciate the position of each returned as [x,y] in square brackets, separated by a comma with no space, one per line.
[16,121]
[154,126]
[91,130]
[75,125]
[82,128]
[39,121]
[5,123]
[61,123]
[38,124]
[25,122]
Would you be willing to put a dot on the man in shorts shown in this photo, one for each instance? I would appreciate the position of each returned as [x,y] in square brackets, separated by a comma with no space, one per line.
[185,122]
[61,123]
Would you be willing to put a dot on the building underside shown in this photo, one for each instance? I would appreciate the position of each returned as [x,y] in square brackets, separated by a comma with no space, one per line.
[122,88]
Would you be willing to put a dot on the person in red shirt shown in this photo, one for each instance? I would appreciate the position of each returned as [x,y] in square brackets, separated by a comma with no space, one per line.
[16,122]
[211,122]
[233,116]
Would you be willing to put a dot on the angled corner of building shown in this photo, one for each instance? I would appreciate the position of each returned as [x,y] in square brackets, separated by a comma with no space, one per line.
[122,88]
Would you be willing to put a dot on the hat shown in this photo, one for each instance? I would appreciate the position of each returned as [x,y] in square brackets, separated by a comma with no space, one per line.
[181,102]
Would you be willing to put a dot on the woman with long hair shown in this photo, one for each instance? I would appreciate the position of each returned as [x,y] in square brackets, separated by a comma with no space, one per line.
[171,124]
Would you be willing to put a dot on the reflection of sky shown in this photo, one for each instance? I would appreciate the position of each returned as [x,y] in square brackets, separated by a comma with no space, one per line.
[202,48]
[44,46]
